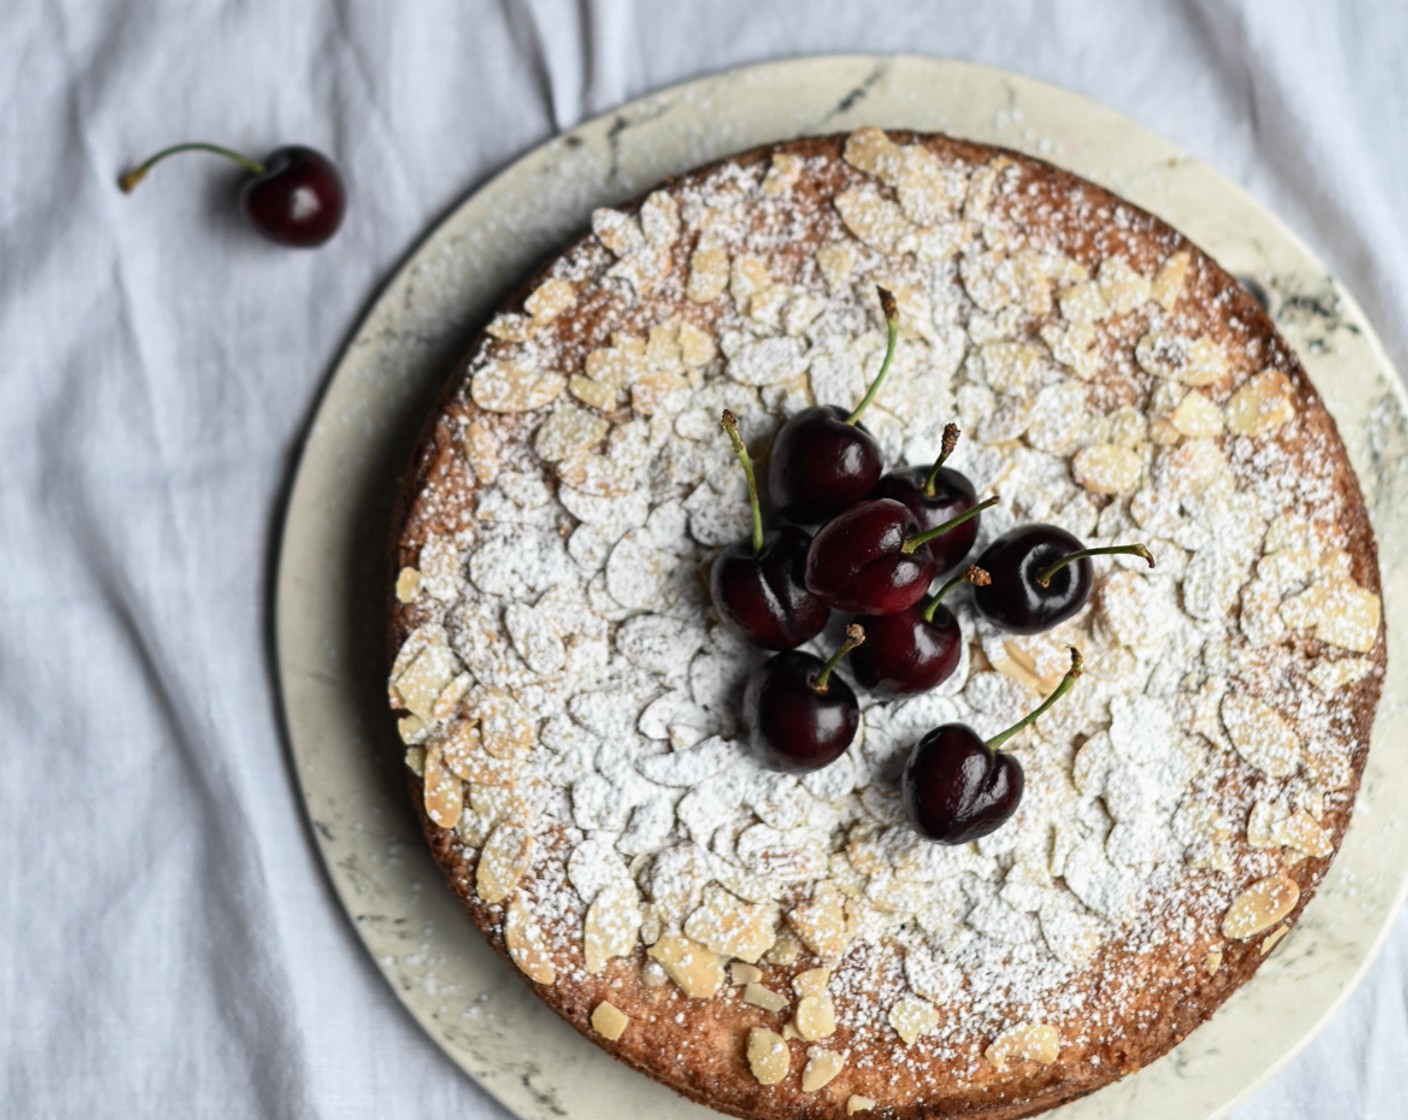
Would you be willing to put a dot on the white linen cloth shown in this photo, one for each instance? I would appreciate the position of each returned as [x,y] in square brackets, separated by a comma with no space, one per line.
[169,946]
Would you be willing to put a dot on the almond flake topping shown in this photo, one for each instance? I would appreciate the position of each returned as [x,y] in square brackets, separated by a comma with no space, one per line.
[609,1021]
[1025,1042]
[768,1055]
[527,947]
[821,1068]
[1260,907]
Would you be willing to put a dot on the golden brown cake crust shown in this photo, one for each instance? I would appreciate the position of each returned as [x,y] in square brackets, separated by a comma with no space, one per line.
[698,1046]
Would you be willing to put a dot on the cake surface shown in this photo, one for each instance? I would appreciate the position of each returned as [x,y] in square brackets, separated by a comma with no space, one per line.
[776,946]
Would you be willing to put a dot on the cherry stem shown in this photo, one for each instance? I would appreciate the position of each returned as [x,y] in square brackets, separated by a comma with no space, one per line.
[974,575]
[892,324]
[1044,577]
[129,181]
[855,636]
[911,543]
[1077,667]
[730,422]
[946,446]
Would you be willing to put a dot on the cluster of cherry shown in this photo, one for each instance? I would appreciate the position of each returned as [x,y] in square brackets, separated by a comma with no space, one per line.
[882,540]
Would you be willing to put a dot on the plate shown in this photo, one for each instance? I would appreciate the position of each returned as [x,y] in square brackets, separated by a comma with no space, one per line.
[331,593]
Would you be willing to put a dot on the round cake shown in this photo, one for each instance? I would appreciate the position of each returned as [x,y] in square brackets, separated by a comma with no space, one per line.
[785,945]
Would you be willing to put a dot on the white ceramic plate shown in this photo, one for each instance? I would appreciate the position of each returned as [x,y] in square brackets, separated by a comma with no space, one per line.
[331,589]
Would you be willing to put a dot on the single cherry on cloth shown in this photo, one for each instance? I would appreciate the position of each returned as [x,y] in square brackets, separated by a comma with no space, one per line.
[1041,576]
[824,459]
[915,650]
[798,714]
[296,197]
[756,584]
[934,495]
[957,788]
[873,560]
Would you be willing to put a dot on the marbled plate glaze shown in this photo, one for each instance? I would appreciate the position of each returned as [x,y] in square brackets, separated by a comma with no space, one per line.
[331,595]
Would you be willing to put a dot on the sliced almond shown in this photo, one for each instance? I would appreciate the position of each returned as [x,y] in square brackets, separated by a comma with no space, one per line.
[868,149]
[741,972]
[811,981]
[824,924]
[708,274]
[874,219]
[527,947]
[731,927]
[765,998]
[413,731]
[1271,940]
[1170,279]
[1212,962]
[482,451]
[592,393]
[815,1017]
[651,390]
[609,1021]
[504,726]
[568,432]
[821,1068]
[550,299]
[857,1103]
[1262,404]
[1199,361]
[768,1055]
[508,387]
[1108,468]
[696,346]
[612,925]
[1025,1042]
[511,328]
[415,760]
[660,219]
[407,584]
[696,969]
[837,260]
[619,364]
[1338,611]
[1261,736]
[913,1018]
[619,232]
[1122,288]
[1260,907]
[503,861]
[783,174]
[1196,415]
[444,793]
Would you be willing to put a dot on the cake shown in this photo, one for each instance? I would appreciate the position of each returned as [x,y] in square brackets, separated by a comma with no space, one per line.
[782,946]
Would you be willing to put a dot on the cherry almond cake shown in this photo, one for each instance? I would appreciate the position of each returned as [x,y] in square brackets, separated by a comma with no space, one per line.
[883,625]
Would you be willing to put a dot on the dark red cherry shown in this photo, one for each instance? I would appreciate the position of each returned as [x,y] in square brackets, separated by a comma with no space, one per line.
[957,788]
[820,464]
[799,715]
[934,495]
[915,650]
[296,197]
[1041,576]
[823,459]
[873,560]
[756,584]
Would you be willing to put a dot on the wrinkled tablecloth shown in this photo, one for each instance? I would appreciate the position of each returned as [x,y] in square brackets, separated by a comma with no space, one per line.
[169,945]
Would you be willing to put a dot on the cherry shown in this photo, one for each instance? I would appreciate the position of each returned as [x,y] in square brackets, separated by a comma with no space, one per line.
[873,560]
[295,198]
[824,459]
[756,584]
[957,788]
[915,650]
[1041,576]
[935,495]
[798,716]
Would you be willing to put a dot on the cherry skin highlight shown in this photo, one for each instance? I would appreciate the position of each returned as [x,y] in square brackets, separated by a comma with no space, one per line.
[934,495]
[915,650]
[756,583]
[857,560]
[1041,576]
[823,458]
[957,788]
[799,715]
[762,594]
[296,196]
